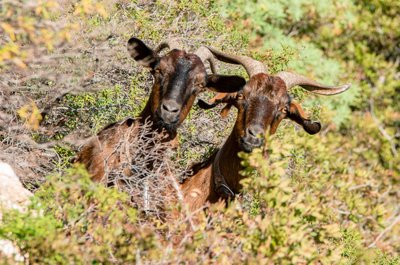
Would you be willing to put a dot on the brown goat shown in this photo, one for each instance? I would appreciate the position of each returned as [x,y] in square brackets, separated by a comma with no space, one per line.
[179,77]
[262,104]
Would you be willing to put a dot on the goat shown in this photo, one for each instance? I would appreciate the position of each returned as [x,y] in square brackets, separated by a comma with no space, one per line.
[179,77]
[262,104]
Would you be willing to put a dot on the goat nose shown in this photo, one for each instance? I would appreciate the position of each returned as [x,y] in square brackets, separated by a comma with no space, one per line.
[255,131]
[170,106]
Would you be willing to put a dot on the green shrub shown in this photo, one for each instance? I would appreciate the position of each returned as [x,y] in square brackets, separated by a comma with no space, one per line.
[73,220]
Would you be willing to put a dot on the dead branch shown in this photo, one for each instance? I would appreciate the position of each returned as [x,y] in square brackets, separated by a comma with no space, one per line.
[387,229]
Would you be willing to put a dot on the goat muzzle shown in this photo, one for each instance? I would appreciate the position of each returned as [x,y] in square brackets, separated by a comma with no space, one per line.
[253,138]
[170,111]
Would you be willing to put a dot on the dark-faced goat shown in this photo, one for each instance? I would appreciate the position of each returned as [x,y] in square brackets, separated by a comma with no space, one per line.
[262,104]
[179,77]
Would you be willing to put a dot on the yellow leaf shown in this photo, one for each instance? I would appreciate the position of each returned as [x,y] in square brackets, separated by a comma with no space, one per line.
[30,113]
[101,10]
[10,30]
[19,63]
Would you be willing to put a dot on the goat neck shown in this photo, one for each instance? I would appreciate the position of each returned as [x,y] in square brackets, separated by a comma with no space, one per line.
[205,185]
[225,174]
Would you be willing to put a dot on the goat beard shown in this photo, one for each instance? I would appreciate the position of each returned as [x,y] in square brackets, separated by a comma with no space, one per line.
[246,147]
[168,128]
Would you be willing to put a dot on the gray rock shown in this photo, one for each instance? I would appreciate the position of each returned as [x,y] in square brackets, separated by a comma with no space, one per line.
[12,193]
[12,196]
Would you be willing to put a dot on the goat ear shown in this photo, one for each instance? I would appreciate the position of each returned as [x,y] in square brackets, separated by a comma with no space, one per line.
[225,83]
[217,99]
[227,98]
[296,114]
[141,53]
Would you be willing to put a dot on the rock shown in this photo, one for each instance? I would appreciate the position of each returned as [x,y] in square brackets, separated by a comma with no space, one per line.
[12,193]
[12,196]
[9,251]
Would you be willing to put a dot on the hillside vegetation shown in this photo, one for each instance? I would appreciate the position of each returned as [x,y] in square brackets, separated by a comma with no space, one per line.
[330,198]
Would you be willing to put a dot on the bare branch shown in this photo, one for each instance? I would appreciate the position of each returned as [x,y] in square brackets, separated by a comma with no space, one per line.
[387,229]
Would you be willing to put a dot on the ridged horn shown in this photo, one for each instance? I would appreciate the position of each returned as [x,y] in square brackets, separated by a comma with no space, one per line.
[205,55]
[292,79]
[252,66]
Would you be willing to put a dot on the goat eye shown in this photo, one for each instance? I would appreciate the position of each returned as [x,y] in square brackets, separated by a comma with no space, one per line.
[284,110]
[240,96]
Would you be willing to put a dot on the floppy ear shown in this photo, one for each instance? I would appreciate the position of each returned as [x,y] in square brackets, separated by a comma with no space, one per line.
[296,114]
[227,98]
[225,83]
[141,53]
[217,99]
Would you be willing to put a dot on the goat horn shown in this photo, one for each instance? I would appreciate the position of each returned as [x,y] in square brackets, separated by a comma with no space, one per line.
[171,43]
[205,55]
[292,79]
[252,66]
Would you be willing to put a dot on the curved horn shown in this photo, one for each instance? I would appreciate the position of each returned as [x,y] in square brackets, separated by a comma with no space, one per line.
[171,43]
[252,66]
[205,55]
[292,79]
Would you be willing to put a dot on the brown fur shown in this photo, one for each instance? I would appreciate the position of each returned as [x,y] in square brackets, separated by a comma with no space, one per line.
[178,78]
[99,154]
[263,102]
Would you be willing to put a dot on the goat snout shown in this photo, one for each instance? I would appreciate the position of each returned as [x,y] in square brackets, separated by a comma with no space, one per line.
[170,110]
[255,131]
[253,138]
